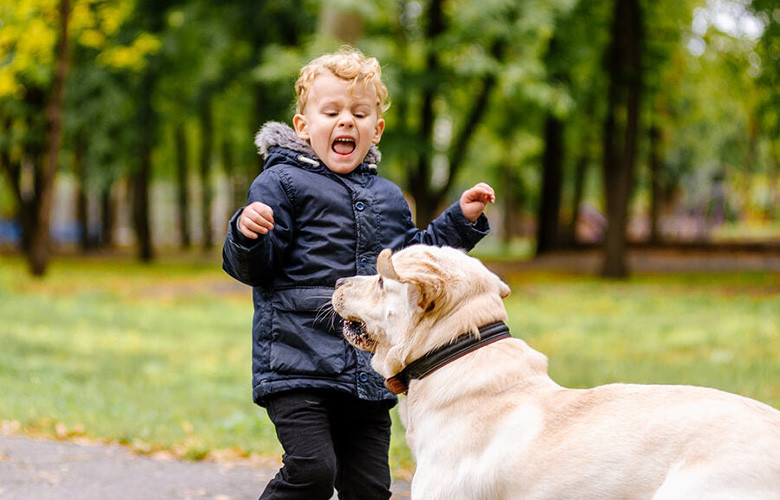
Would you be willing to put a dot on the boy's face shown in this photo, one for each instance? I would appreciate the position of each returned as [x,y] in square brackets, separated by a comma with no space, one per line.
[340,123]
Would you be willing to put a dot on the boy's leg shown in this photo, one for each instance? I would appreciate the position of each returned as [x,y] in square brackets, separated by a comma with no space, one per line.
[361,435]
[302,425]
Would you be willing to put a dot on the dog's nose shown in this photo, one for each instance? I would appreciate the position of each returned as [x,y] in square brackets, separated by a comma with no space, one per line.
[340,282]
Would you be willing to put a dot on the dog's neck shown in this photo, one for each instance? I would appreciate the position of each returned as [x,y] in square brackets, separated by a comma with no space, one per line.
[437,358]
[437,330]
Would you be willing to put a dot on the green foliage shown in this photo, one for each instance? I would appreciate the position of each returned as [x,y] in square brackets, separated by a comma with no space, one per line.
[715,103]
[713,91]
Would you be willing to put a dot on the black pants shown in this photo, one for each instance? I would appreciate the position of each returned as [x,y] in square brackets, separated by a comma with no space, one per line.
[330,439]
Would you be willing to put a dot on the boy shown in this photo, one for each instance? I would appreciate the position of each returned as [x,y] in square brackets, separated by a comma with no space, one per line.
[319,212]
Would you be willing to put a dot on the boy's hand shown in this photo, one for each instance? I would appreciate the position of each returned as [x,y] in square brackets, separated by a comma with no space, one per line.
[473,201]
[257,218]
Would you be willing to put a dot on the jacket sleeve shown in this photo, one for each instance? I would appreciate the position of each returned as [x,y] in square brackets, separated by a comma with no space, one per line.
[452,229]
[253,262]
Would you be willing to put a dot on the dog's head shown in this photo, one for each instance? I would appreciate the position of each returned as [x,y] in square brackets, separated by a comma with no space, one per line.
[423,297]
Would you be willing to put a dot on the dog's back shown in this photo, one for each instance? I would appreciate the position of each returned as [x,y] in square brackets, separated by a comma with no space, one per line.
[526,437]
[646,441]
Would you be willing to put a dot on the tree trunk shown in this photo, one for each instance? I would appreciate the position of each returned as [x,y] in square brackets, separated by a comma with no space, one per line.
[656,186]
[621,130]
[206,147]
[579,189]
[552,185]
[141,216]
[82,201]
[419,176]
[40,240]
[13,172]
[754,133]
[141,178]
[581,169]
[182,186]
[774,182]
[428,198]
[511,193]
[107,212]
[237,178]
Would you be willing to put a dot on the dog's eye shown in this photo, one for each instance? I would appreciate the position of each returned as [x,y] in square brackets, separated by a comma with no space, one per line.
[381,283]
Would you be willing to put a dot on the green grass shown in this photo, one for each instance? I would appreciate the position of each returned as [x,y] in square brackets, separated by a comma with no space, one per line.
[153,356]
[718,330]
[158,357]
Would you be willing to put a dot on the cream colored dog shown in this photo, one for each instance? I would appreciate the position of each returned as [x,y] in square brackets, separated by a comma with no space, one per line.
[491,424]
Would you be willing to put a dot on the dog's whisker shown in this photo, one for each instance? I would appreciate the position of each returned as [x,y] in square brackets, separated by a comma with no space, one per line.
[326,313]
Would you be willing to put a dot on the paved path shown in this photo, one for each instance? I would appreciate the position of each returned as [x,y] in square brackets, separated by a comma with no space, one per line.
[35,469]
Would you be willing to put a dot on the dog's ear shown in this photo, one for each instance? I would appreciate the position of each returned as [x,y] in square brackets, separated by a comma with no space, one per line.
[430,292]
[429,281]
[384,265]
[428,285]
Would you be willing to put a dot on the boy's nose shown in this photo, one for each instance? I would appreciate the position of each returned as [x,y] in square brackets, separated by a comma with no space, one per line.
[346,121]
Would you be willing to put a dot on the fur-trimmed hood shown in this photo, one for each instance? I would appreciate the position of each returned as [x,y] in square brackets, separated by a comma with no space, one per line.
[277,134]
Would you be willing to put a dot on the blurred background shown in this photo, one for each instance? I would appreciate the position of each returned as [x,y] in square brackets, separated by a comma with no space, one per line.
[628,139]
[128,125]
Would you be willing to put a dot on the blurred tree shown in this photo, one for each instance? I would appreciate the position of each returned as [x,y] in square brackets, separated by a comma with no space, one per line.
[548,219]
[171,90]
[448,60]
[98,131]
[581,45]
[148,19]
[661,50]
[182,185]
[188,30]
[718,112]
[567,128]
[31,78]
[36,41]
[40,241]
[767,50]
[621,128]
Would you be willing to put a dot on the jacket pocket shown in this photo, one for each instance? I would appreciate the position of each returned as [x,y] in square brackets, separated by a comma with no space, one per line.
[304,334]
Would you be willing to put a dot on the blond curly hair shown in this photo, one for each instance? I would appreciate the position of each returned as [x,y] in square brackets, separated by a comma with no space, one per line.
[349,64]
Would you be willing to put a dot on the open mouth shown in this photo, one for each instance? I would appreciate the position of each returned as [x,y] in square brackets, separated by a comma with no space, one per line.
[343,145]
[355,333]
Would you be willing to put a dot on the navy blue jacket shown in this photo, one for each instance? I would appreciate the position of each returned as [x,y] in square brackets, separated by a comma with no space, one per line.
[326,226]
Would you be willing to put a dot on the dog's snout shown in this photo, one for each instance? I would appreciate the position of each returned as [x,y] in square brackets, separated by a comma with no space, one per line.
[340,282]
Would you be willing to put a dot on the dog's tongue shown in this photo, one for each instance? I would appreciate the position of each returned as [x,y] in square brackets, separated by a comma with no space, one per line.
[343,147]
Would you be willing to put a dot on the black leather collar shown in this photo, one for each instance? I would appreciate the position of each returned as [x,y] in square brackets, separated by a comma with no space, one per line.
[434,360]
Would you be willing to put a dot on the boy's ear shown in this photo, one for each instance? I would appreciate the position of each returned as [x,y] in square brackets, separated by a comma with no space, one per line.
[380,127]
[301,127]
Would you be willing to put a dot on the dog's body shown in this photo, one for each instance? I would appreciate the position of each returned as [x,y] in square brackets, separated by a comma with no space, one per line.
[493,425]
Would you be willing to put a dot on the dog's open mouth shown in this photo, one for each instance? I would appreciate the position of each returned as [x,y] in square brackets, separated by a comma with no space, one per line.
[355,333]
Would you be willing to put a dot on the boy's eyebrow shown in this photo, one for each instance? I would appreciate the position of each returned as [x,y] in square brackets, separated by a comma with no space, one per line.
[329,102]
[336,101]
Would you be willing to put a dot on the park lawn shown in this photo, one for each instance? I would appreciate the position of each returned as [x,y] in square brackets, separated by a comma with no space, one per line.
[158,356]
